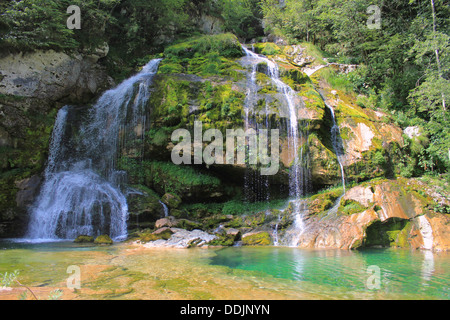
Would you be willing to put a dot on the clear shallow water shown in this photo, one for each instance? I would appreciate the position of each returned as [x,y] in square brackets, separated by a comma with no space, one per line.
[403,273]
[124,271]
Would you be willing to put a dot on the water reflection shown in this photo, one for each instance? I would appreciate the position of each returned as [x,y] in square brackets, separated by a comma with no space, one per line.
[401,271]
[427,266]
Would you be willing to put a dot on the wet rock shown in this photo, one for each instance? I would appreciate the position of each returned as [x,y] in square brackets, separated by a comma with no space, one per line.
[171,200]
[163,233]
[183,239]
[259,238]
[166,222]
[84,239]
[27,191]
[390,213]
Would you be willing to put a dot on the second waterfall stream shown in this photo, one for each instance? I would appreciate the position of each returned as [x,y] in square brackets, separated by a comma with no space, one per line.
[298,173]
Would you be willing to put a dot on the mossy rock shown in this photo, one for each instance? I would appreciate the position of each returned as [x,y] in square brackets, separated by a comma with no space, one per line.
[349,207]
[163,233]
[103,239]
[144,206]
[322,202]
[267,48]
[188,224]
[171,200]
[261,238]
[84,239]
[390,233]
[147,236]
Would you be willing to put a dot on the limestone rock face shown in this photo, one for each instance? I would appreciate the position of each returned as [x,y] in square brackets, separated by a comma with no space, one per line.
[51,75]
[392,213]
[27,191]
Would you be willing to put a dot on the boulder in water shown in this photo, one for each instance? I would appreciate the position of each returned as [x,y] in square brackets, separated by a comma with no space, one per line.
[260,238]
[84,239]
[103,239]
[163,233]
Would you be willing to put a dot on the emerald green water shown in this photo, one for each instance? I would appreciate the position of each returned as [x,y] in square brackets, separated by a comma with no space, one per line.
[126,271]
[402,273]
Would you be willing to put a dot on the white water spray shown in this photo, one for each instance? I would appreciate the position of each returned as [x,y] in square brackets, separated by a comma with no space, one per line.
[81,193]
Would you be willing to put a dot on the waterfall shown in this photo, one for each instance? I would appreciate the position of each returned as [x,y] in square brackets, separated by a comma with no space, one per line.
[337,143]
[296,184]
[81,193]
[165,208]
[426,231]
[297,172]
[336,139]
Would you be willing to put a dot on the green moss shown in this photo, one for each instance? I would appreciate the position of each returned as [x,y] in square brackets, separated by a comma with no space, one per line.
[84,239]
[227,44]
[261,238]
[267,48]
[224,239]
[177,179]
[390,233]
[324,200]
[172,200]
[373,164]
[103,239]
[349,207]
[315,52]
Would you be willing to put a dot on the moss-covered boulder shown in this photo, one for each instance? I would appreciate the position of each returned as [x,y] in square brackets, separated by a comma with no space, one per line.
[144,207]
[259,238]
[171,200]
[103,239]
[84,239]
[163,233]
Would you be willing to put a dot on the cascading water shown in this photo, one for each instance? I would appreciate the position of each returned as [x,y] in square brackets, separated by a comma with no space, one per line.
[337,144]
[336,140]
[297,172]
[81,193]
[165,208]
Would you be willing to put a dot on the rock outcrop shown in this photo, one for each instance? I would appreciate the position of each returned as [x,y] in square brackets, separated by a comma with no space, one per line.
[386,213]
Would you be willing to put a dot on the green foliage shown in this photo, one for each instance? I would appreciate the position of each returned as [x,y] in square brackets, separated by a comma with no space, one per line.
[267,48]
[226,43]
[8,278]
[241,17]
[403,65]
[337,80]
[172,178]
[350,207]
[37,24]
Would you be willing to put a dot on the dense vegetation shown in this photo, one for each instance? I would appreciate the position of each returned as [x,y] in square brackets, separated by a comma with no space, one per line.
[404,64]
